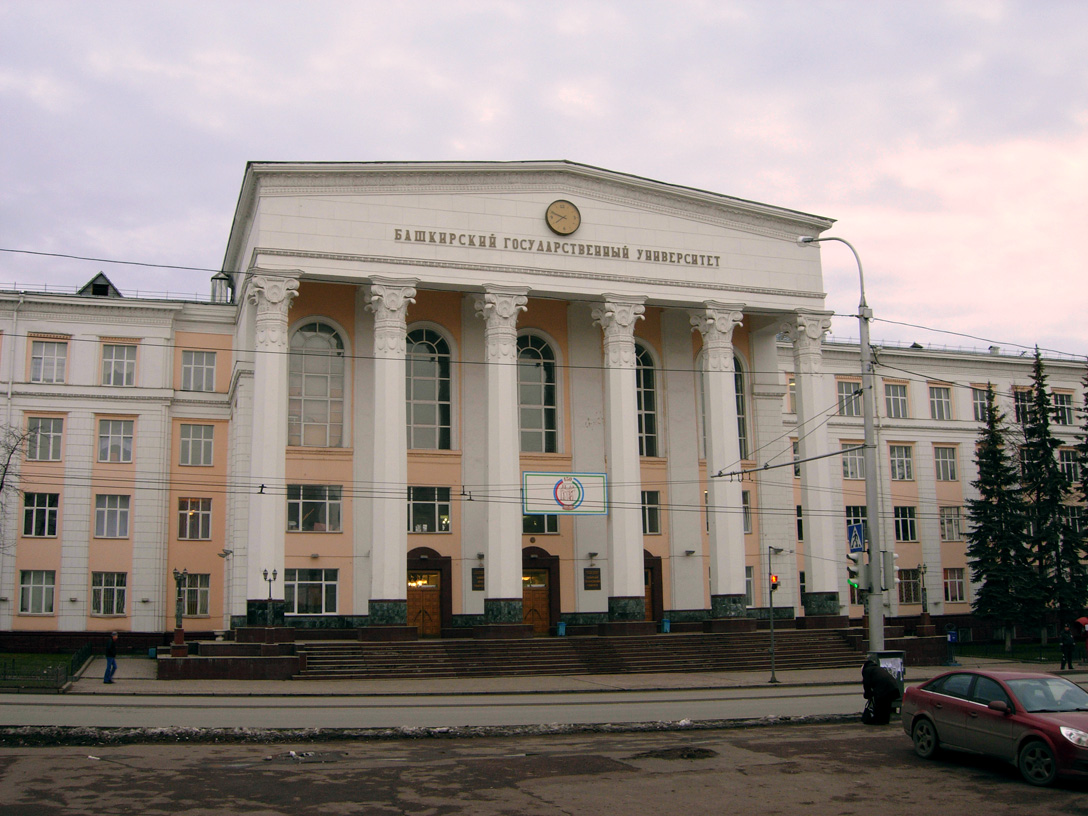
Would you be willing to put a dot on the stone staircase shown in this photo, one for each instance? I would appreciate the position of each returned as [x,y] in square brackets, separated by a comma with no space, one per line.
[741,651]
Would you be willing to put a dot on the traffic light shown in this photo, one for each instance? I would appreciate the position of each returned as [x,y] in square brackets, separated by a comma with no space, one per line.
[774,583]
[891,573]
[857,572]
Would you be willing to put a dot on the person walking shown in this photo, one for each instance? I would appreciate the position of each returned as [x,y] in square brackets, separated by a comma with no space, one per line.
[111,657]
[1065,641]
[881,688]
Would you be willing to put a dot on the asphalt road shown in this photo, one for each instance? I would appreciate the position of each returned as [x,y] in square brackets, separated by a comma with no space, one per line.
[432,710]
[816,770]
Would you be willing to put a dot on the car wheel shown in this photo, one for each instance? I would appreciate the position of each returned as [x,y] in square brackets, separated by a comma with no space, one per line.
[1037,763]
[925,739]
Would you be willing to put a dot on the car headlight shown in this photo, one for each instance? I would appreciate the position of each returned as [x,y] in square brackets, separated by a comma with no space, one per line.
[1075,736]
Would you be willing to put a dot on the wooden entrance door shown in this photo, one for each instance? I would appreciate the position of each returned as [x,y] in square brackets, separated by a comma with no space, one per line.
[535,605]
[425,602]
[649,592]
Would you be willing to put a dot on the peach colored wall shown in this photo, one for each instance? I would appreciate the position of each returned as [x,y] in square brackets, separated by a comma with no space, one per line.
[221,344]
[199,482]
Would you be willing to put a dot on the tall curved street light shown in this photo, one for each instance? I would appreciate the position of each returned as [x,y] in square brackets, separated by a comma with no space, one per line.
[868,403]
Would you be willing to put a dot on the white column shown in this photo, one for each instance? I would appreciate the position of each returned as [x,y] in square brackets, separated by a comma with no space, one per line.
[824,553]
[389,299]
[716,323]
[617,317]
[499,307]
[272,295]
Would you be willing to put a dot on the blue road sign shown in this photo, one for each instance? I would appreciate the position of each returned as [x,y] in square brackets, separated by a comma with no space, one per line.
[855,536]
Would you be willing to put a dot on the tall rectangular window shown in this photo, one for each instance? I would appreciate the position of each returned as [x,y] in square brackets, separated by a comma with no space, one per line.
[895,399]
[800,524]
[118,365]
[1074,517]
[910,586]
[313,508]
[849,396]
[108,593]
[940,402]
[310,591]
[646,401]
[978,404]
[1069,464]
[48,361]
[540,524]
[1021,404]
[905,529]
[40,514]
[196,592]
[796,457]
[111,516]
[196,444]
[651,512]
[853,461]
[791,394]
[944,460]
[902,462]
[951,523]
[44,437]
[749,585]
[198,371]
[115,440]
[195,519]
[1063,409]
[428,509]
[954,585]
[746,509]
[36,590]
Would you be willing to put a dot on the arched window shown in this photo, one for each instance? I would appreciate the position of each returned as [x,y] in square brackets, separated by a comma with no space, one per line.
[646,396]
[536,395]
[315,404]
[742,409]
[427,365]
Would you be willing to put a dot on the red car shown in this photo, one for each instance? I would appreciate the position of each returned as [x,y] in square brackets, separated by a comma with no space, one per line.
[1036,721]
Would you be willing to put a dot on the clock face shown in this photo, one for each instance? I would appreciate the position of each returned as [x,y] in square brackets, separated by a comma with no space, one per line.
[563,217]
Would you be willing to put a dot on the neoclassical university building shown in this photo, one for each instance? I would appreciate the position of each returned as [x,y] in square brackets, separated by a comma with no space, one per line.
[456,396]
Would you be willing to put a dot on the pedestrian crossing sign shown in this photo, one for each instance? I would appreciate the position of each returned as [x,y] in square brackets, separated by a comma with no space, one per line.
[855,537]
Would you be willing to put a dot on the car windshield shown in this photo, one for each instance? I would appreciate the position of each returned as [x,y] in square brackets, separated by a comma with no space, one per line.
[1041,694]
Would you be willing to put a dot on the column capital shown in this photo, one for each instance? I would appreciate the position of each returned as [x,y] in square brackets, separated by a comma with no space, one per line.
[618,314]
[499,307]
[716,322]
[272,293]
[389,299]
[806,330]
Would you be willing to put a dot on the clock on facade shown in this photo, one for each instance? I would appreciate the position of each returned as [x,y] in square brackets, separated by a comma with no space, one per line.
[563,217]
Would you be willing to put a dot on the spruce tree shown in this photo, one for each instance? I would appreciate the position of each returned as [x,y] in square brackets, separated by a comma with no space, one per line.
[996,531]
[1057,551]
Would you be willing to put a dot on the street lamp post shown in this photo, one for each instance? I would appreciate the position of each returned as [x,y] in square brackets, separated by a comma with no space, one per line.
[772,585]
[178,647]
[270,581]
[868,403]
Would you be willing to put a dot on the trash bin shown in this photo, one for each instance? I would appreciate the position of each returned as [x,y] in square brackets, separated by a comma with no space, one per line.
[153,652]
[561,628]
[666,626]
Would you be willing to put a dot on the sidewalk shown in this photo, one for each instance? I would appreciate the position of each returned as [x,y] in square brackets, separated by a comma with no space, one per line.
[136,676]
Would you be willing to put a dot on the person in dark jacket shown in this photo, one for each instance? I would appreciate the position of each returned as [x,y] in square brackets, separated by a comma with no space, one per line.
[1065,640]
[882,688]
[111,657]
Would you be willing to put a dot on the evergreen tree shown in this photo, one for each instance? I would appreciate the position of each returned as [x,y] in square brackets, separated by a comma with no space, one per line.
[996,531]
[1057,550]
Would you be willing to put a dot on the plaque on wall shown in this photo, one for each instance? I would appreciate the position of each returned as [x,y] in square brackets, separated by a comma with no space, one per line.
[591,578]
[478,579]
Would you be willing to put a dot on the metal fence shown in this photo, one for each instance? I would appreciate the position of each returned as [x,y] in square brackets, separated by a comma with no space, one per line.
[15,675]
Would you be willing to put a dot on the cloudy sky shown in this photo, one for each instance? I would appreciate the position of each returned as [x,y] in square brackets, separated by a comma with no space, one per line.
[949,139]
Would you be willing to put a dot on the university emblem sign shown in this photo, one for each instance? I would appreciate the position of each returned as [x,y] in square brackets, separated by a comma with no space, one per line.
[574,494]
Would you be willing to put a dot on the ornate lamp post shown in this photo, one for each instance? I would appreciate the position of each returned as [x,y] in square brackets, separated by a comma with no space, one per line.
[270,581]
[178,647]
